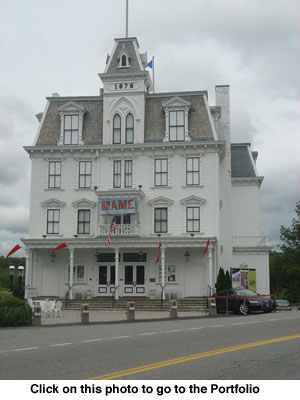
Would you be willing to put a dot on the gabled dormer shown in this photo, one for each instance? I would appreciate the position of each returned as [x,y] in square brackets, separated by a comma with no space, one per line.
[177,120]
[71,121]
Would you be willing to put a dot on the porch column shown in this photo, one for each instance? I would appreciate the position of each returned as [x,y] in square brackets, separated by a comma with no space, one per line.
[28,271]
[210,269]
[117,274]
[71,273]
[163,270]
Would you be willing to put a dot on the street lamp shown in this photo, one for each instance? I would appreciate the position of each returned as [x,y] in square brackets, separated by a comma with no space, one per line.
[11,276]
[21,274]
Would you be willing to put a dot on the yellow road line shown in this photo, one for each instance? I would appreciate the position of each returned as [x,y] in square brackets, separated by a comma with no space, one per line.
[191,357]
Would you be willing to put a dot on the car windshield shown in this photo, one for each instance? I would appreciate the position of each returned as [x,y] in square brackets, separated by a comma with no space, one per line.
[282,302]
[245,292]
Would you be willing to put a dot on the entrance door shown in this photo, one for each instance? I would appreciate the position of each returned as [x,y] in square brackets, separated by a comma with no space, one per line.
[134,280]
[195,281]
[49,280]
[107,280]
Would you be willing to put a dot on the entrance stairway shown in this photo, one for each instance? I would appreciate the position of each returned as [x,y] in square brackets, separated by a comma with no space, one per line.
[186,304]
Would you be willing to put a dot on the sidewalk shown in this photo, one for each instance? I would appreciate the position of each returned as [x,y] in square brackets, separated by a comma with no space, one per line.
[73,316]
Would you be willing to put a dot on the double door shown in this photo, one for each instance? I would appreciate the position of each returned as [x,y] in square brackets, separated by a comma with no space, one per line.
[132,281]
[107,280]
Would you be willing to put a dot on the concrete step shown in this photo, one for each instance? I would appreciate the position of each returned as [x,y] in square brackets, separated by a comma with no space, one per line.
[198,304]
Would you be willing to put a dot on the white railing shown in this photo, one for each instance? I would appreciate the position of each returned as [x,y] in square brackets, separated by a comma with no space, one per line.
[249,241]
[121,230]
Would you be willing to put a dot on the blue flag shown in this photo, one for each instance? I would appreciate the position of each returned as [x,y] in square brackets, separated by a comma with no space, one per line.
[150,64]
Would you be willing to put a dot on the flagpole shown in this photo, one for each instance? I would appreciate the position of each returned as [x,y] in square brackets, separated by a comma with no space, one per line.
[153,74]
[126,18]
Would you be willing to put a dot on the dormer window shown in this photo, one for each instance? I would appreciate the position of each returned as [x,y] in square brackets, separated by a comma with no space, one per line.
[117,129]
[71,117]
[123,58]
[71,129]
[177,119]
[176,126]
[124,62]
[129,133]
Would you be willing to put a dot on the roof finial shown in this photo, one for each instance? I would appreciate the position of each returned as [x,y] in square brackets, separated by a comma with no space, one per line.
[126,18]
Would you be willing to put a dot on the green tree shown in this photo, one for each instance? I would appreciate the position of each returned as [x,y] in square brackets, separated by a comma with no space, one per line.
[291,239]
[223,280]
[5,276]
[285,265]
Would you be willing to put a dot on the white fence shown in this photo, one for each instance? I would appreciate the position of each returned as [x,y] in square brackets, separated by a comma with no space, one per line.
[249,241]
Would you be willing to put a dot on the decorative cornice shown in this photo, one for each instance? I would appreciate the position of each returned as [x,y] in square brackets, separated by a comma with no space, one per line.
[160,201]
[251,250]
[121,243]
[247,181]
[53,203]
[84,203]
[71,106]
[193,200]
[203,145]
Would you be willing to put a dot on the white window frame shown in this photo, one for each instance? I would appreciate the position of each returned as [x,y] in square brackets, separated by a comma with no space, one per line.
[85,175]
[192,219]
[117,175]
[75,274]
[192,172]
[160,220]
[89,222]
[66,110]
[129,128]
[128,175]
[55,175]
[54,222]
[117,129]
[161,173]
[176,104]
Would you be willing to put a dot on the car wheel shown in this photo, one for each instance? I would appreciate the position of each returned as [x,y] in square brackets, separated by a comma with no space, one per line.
[244,308]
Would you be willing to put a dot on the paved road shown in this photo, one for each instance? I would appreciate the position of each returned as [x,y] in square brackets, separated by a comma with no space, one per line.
[259,346]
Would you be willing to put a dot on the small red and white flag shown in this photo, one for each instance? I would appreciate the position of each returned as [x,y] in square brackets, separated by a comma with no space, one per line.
[158,255]
[113,226]
[61,246]
[13,250]
[206,248]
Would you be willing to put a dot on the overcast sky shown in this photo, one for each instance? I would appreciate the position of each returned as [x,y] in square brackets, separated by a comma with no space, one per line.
[61,46]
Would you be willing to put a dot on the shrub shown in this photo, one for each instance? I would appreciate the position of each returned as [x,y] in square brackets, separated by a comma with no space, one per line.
[4,293]
[14,312]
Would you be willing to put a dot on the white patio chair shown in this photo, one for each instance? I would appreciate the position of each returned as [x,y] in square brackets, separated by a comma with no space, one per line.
[30,303]
[58,307]
[47,309]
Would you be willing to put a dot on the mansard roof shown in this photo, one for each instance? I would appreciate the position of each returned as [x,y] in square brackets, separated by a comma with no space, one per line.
[242,164]
[129,47]
[199,124]
[92,132]
[92,121]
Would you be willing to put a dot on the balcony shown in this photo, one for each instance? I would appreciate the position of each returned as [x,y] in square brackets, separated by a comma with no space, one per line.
[121,230]
[249,241]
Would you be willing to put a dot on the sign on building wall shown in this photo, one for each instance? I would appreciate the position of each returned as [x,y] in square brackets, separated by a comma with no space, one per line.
[243,278]
[252,279]
[117,206]
[236,278]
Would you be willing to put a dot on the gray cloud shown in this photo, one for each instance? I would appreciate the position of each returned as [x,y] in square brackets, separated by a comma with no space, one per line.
[251,45]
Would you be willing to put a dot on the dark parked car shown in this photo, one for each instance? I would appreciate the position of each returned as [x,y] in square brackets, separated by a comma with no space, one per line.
[243,301]
[283,305]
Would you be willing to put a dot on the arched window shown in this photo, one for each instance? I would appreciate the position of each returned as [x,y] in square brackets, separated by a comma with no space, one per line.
[117,129]
[129,129]
[124,61]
